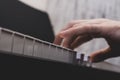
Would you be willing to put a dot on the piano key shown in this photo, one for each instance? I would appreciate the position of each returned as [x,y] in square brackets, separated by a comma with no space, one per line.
[28,46]
[45,52]
[5,41]
[18,44]
[60,54]
[81,59]
[38,50]
[73,56]
[53,53]
[89,62]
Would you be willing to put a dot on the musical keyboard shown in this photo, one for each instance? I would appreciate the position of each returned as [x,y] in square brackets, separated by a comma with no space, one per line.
[17,48]
[15,42]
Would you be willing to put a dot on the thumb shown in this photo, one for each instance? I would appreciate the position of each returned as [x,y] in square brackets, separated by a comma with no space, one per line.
[100,55]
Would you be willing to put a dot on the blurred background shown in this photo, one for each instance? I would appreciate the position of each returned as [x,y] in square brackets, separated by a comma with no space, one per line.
[61,12]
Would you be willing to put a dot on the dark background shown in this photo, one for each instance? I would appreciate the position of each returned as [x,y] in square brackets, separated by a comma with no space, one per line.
[22,18]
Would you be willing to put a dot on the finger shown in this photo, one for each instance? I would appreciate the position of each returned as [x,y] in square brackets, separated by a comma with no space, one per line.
[88,21]
[100,55]
[72,23]
[66,35]
[67,42]
[96,21]
[81,28]
[58,40]
[68,38]
[71,34]
[79,41]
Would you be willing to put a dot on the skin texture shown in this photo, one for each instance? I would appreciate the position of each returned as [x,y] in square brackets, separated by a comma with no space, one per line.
[78,32]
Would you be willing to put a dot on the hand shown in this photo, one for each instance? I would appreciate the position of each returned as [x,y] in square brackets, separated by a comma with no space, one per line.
[80,31]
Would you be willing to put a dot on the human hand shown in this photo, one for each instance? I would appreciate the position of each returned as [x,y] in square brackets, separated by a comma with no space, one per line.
[80,31]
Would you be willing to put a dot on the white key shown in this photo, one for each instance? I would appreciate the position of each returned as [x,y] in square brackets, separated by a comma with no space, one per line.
[5,41]
[28,47]
[18,44]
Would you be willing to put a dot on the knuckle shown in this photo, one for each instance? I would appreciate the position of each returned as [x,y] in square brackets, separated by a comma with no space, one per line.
[71,23]
[59,34]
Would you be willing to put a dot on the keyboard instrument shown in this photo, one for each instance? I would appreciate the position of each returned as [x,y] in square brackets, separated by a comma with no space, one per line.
[19,51]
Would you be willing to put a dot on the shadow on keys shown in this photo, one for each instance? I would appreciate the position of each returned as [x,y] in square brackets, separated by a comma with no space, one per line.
[19,17]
